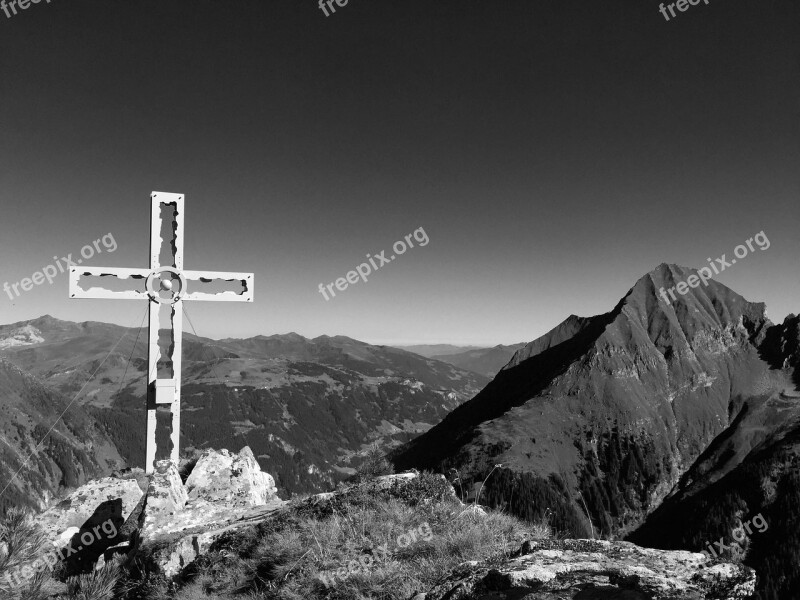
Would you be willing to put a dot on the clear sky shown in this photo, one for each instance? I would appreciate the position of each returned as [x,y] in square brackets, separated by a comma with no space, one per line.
[553,152]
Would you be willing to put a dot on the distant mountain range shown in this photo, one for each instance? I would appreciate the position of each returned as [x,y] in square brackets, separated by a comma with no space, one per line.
[431,350]
[484,361]
[666,423]
[309,409]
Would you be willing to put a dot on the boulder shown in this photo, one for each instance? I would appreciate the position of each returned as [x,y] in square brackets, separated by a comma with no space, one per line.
[230,480]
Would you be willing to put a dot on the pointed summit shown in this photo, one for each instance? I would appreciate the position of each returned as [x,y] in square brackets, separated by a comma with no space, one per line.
[689,299]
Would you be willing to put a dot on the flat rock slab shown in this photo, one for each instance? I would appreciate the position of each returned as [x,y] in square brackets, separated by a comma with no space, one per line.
[601,570]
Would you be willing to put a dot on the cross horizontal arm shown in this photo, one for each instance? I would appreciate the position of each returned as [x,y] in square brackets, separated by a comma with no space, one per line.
[246,280]
[75,290]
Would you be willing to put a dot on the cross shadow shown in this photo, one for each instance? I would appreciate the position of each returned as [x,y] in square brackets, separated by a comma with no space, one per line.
[98,533]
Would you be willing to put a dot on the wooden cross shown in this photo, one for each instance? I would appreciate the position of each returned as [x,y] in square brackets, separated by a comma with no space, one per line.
[161,282]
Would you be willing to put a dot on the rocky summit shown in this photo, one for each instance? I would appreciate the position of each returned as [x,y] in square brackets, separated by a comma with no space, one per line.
[194,533]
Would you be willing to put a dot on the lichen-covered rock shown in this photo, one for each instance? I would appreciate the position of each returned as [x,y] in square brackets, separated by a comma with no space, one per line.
[601,570]
[89,506]
[235,480]
[223,491]
[88,521]
[223,478]
[165,498]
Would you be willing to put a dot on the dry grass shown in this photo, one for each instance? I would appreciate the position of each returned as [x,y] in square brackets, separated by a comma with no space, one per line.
[356,545]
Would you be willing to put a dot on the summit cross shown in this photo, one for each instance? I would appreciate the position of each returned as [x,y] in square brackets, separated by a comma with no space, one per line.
[165,288]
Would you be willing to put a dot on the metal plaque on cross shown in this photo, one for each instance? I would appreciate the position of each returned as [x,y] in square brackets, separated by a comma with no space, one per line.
[166,286]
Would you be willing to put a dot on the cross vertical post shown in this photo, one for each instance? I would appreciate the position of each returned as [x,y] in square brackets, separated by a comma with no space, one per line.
[160,283]
[165,390]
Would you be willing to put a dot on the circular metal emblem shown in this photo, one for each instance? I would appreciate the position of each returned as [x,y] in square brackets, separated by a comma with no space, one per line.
[165,285]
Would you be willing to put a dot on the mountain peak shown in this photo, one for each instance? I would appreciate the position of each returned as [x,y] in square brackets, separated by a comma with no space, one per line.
[688,294]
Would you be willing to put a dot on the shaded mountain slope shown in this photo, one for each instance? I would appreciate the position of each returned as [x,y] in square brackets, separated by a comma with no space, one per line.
[751,469]
[37,463]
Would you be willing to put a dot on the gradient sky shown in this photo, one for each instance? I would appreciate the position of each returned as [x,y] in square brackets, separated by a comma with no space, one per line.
[554,152]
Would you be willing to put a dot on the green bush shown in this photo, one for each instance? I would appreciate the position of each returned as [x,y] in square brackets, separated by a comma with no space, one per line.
[374,465]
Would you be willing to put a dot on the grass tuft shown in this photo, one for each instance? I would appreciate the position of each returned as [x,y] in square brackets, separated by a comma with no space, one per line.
[96,585]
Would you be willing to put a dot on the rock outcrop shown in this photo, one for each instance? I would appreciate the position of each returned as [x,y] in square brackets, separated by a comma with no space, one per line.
[173,524]
[178,521]
[165,500]
[236,481]
[219,490]
[598,570]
